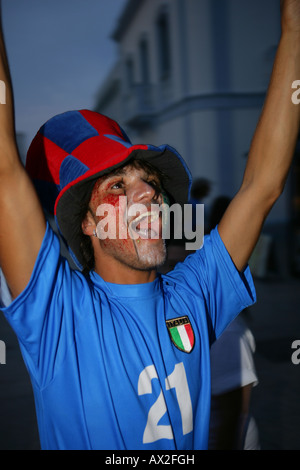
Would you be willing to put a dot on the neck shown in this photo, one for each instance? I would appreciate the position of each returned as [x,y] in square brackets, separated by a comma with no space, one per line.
[118,273]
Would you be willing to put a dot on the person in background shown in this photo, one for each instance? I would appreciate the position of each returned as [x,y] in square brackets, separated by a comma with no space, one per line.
[200,191]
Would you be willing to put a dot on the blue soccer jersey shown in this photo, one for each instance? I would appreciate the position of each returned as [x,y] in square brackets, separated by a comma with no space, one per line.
[125,366]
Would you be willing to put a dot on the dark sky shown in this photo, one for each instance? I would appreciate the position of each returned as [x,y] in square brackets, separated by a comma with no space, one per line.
[59,51]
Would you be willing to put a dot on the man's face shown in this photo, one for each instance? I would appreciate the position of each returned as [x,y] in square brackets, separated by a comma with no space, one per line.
[129,226]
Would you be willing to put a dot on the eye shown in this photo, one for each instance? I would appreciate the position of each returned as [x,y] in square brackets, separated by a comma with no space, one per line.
[155,185]
[117,185]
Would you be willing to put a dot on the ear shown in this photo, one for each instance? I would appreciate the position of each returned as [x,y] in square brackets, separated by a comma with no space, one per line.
[88,225]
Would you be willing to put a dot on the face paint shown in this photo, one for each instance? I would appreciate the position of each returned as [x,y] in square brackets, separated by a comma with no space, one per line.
[129,238]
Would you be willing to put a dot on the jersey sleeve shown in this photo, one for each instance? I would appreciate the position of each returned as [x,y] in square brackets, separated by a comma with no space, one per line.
[211,276]
[37,314]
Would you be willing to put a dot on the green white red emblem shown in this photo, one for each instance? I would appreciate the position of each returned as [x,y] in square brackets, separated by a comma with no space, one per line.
[181,333]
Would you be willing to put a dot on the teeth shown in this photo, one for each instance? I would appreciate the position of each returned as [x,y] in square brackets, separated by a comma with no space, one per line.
[145,233]
[152,216]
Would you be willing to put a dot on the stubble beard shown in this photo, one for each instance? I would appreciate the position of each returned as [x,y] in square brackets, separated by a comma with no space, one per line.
[143,256]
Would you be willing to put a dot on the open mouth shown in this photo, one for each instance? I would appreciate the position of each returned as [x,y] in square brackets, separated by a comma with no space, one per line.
[145,226]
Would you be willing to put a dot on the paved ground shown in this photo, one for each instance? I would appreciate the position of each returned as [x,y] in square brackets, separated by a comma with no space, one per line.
[275,322]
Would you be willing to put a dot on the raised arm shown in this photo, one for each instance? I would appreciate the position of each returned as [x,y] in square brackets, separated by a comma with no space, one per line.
[272,147]
[22,223]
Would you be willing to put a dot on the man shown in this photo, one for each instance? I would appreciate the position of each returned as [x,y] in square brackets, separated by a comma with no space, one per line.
[119,357]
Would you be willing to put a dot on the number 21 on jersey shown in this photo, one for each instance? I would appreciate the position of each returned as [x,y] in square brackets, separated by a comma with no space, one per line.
[176,380]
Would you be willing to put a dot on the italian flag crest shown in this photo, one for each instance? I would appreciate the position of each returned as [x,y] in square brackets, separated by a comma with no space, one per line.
[181,333]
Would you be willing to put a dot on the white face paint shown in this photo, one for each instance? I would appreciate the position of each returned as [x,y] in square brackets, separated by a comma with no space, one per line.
[144,224]
[134,236]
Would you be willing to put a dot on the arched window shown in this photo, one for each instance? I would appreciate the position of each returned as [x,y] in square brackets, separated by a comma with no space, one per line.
[164,49]
[144,61]
[129,66]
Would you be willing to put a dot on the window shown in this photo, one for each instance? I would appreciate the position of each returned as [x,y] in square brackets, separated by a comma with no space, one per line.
[144,61]
[164,50]
[129,73]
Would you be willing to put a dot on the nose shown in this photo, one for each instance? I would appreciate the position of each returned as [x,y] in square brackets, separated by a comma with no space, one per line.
[141,192]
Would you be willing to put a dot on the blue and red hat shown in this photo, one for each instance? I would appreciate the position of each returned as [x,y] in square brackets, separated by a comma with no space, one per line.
[73,149]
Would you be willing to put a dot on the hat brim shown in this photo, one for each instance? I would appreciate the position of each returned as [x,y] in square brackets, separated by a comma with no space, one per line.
[69,204]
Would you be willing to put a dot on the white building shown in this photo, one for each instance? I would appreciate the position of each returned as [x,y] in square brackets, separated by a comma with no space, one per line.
[193,74]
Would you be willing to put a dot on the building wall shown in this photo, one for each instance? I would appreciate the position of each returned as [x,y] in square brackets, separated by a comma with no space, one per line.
[221,54]
[254,30]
